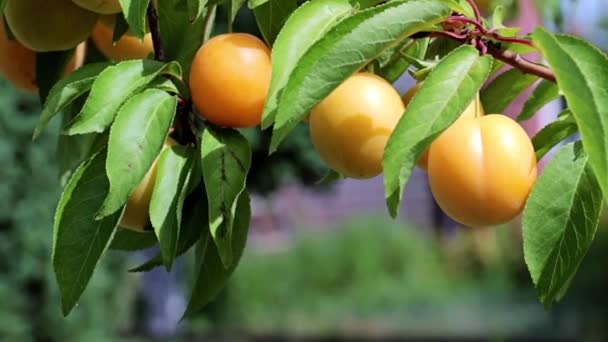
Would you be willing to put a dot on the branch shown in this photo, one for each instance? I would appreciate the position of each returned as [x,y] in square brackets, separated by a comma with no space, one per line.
[509,57]
[159,53]
[517,61]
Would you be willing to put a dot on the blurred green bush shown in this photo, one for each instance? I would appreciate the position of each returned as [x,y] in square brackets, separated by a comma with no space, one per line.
[29,188]
[376,277]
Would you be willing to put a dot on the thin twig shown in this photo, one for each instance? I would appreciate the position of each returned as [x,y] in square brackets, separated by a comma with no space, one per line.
[475,9]
[159,52]
[209,19]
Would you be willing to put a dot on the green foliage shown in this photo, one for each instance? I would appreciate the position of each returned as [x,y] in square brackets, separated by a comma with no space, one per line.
[30,188]
[560,221]
[445,94]
[497,96]
[167,202]
[347,47]
[135,14]
[317,17]
[271,17]
[113,88]
[226,159]
[136,138]
[201,198]
[581,71]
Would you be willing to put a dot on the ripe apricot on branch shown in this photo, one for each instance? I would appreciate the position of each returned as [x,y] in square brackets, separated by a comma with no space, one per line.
[229,80]
[100,6]
[137,212]
[43,25]
[475,109]
[18,63]
[481,170]
[351,127]
[127,47]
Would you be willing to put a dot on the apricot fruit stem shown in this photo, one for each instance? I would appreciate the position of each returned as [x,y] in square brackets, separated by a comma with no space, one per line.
[159,52]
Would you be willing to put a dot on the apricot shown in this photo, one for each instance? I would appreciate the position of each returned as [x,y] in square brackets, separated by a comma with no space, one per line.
[351,126]
[229,80]
[43,25]
[100,6]
[127,47]
[137,212]
[481,170]
[18,63]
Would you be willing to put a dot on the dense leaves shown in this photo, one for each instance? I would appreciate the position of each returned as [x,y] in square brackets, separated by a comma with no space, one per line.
[560,221]
[136,139]
[445,94]
[226,159]
[346,48]
[113,88]
[316,18]
[582,74]
[79,239]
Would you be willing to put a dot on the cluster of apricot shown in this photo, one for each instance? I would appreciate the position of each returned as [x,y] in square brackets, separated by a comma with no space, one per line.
[43,26]
[481,169]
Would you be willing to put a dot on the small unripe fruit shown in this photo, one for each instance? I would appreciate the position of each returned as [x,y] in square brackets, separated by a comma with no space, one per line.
[137,212]
[44,25]
[351,126]
[229,80]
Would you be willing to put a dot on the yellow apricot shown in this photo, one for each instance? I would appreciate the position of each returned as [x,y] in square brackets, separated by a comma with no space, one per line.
[127,47]
[44,25]
[18,63]
[100,6]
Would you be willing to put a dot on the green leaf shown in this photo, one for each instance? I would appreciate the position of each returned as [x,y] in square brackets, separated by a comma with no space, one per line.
[2,5]
[168,199]
[560,221]
[347,47]
[136,139]
[79,240]
[66,91]
[361,4]
[196,8]
[272,15]
[581,71]
[73,150]
[504,89]
[121,27]
[401,60]
[553,134]
[330,177]
[226,159]
[113,88]
[195,223]
[233,9]
[130,241]
[544,93]
[181,37]
[443,97]
[50,67]
[315,18]
[135,13]
[212,275]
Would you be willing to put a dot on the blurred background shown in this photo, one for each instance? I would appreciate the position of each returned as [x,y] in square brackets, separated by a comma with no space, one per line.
[322,263]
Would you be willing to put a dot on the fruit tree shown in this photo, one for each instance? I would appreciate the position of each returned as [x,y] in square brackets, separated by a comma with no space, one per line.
[162,159]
